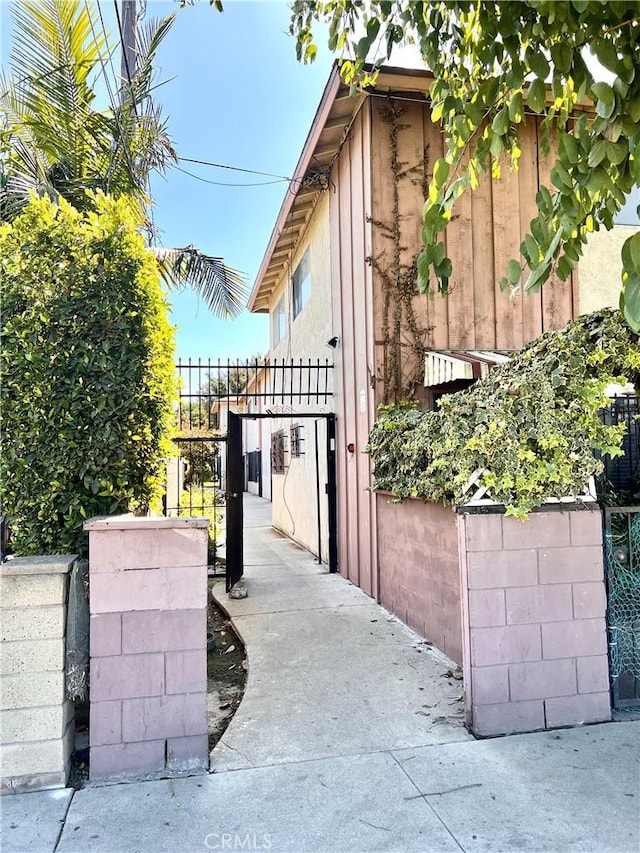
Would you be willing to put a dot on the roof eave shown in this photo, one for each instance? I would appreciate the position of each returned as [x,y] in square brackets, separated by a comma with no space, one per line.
[330,90]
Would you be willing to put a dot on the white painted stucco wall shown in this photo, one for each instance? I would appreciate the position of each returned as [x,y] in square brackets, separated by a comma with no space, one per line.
[600,269]
[294,492]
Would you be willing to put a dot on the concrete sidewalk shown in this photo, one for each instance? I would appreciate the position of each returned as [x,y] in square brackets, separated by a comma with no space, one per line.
[349,738]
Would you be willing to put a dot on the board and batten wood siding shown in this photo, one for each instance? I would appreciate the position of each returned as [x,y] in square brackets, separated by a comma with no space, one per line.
[485,232]
[354,356]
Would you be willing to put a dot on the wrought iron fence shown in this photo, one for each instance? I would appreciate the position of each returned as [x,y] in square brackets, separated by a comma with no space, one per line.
[209,389]
[620,480]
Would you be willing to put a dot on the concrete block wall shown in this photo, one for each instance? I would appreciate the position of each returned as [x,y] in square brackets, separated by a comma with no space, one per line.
[148,645]
[419,570]
[36,720]
[534,606]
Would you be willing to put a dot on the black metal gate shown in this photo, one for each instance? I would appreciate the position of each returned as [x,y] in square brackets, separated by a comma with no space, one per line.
[235,485]
[195,485]
[206,476]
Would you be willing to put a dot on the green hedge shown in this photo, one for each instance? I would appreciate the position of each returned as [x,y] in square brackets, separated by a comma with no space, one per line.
[87,372]
[532,425]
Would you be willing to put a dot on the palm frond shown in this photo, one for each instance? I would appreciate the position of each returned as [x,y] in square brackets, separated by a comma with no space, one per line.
[148,39]
[221,287]
[53,52]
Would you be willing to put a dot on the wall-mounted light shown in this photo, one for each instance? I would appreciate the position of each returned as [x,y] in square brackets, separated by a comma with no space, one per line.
[333,342]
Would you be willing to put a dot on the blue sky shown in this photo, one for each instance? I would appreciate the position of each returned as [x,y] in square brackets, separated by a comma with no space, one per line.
[234,94]
[238,97]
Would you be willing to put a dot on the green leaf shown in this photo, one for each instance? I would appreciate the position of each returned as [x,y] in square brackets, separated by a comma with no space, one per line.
[362,48]
[633,109]
[569,146]
[439,253]
[537,62]
[606,99]
[630,302]
[597,153]
[514,272]
[516,108]
[474,110]
[631,254]
[605,53]
[373,28]
[444,269]
[423,272]
[561,56]
[536,96]
[500,123]
[441,172]
[560,177]
[617,151]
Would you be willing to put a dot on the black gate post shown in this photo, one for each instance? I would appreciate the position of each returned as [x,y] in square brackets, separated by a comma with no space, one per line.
[332,493]
[235,483]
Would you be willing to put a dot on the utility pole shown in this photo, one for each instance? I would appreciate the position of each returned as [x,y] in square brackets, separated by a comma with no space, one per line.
[128,59]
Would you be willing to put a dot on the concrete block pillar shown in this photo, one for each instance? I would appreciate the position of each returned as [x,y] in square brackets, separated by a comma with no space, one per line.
[36,720]
[534,617]
[148,647]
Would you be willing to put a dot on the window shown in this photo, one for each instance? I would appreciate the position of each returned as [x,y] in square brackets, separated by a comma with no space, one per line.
[277,452]
[279,321]
[296,441]
[301,284]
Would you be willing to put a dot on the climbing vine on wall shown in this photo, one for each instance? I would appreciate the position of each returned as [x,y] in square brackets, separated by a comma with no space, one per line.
[397,271]
[528,430]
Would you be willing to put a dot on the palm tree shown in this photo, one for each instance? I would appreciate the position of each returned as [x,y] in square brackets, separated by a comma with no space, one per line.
[54,142]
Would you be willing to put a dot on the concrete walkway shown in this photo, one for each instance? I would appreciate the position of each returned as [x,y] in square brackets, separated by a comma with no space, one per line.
[349,739]
[330,672]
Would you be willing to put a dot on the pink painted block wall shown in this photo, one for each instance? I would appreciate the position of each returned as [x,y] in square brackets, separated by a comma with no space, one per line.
[419,570]
[148,644]
[534,621]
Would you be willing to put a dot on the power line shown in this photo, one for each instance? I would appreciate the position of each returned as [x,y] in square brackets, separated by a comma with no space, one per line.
[236,168]
[223,183]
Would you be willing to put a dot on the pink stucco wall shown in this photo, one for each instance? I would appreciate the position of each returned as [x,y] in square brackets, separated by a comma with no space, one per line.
[534,622]
[148,603]
[419,569]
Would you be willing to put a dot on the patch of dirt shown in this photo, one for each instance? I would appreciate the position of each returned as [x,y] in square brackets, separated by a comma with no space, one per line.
[226,671]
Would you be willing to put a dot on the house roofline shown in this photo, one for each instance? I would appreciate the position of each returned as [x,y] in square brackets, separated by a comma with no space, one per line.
[326,101]
[333,121]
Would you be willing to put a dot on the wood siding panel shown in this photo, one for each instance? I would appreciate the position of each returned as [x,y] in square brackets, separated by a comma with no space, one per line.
[369,515]
[348,357]
[459,240]
[557,296]
[484,300]
[506,245]
[381,211]
[352,306]
[438,311]
[528,186]
[411,189]
[360,460]
[338,300]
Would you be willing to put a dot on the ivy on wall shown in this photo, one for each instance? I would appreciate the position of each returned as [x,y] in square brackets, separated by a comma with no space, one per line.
[402,338]
[531,427]
[87,372]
